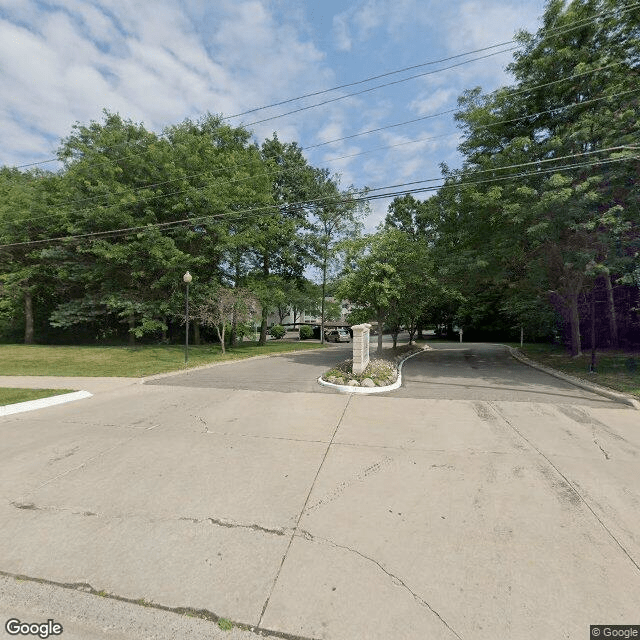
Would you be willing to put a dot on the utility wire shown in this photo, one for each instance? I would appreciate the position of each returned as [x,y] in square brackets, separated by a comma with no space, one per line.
[269,209]
[441,113]
[379,86]
[549,33]
[282,172]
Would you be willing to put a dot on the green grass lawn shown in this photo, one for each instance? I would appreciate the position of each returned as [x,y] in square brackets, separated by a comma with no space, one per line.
[131,362]
[616,369]
[11,396]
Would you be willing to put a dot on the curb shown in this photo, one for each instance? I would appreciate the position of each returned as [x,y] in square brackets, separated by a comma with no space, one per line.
[42,403]
[587,386]
[343,388]
[159,376]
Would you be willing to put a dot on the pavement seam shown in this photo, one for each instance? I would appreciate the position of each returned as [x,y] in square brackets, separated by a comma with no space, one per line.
[304,506]
[203,614]
[569,484]
[308,536]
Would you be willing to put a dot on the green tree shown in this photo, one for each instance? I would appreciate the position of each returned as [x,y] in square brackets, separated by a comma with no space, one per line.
[572,97]
[336,216]
[31,210]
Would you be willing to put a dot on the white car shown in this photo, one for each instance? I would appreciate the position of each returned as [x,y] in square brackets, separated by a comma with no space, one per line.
[337,335]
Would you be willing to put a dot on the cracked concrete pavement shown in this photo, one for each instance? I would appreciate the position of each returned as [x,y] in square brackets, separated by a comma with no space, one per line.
[482,500]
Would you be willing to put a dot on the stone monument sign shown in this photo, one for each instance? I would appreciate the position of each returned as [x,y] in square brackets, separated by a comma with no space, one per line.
[360,347]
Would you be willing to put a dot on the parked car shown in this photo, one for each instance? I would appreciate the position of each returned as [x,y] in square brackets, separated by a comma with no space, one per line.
[337,335]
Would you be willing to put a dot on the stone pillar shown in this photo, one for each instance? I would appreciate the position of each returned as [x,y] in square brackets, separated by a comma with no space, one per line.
[360,347]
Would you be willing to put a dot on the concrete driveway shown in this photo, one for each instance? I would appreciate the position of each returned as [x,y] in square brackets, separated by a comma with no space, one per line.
[498,506]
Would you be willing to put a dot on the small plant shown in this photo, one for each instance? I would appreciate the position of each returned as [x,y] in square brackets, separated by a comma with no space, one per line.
[306,332]
[225,625]
[277,331]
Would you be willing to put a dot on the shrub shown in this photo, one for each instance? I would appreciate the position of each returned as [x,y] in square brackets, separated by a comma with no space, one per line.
[277,331]
[306,332]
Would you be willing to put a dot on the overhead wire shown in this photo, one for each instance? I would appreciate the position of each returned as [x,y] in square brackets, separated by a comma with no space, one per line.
[549,33]
[395,125]
[281,171]
[578,24]
[367,196]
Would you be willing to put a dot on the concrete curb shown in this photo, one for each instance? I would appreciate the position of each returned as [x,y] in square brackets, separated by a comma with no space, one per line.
[587,386]
[343,388]
[159,376]
[42,403]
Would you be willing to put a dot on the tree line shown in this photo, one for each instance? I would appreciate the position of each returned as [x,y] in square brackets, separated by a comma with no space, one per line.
[538,231]
[100,246]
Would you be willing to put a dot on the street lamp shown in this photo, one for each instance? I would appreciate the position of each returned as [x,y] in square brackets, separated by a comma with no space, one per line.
[187,279]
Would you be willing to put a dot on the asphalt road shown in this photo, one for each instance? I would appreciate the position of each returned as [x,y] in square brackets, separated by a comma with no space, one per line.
[488,501]
[448,371]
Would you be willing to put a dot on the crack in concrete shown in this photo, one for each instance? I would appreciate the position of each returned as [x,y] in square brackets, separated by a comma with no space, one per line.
[571,487]
[230,524]
[304,506]
[260,437]
[203,614]
[220,522]
[397,580]
[606,455]
[254,527]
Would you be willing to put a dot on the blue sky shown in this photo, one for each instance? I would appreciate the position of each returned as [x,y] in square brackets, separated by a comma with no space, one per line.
[160,62]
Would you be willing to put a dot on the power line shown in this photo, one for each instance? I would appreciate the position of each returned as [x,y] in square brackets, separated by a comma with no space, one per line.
[549,33]
[268,209]
[394,125]
[380,86]
[441,113]
[281,172]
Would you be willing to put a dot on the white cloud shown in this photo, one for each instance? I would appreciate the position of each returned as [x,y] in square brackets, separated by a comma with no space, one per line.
[431,102]
[149,61]
[341,33]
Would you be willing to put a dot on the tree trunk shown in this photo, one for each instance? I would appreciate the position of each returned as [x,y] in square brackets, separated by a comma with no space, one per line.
[593,331]
[380,320]
[265,313]
[574,319]
[132,325]
[234,321]
[324,287]
[28,317]
[196,333]
[263,328]
[164,329]
[221,336]
[233,338]
[613,324]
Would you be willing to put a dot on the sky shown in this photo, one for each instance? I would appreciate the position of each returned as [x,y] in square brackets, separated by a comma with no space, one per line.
[160,62]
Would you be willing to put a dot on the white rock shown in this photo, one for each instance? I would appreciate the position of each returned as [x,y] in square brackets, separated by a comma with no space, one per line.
[368,382]
[353,383]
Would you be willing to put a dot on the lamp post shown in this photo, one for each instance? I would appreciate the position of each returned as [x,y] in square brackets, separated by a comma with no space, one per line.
[187,279]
